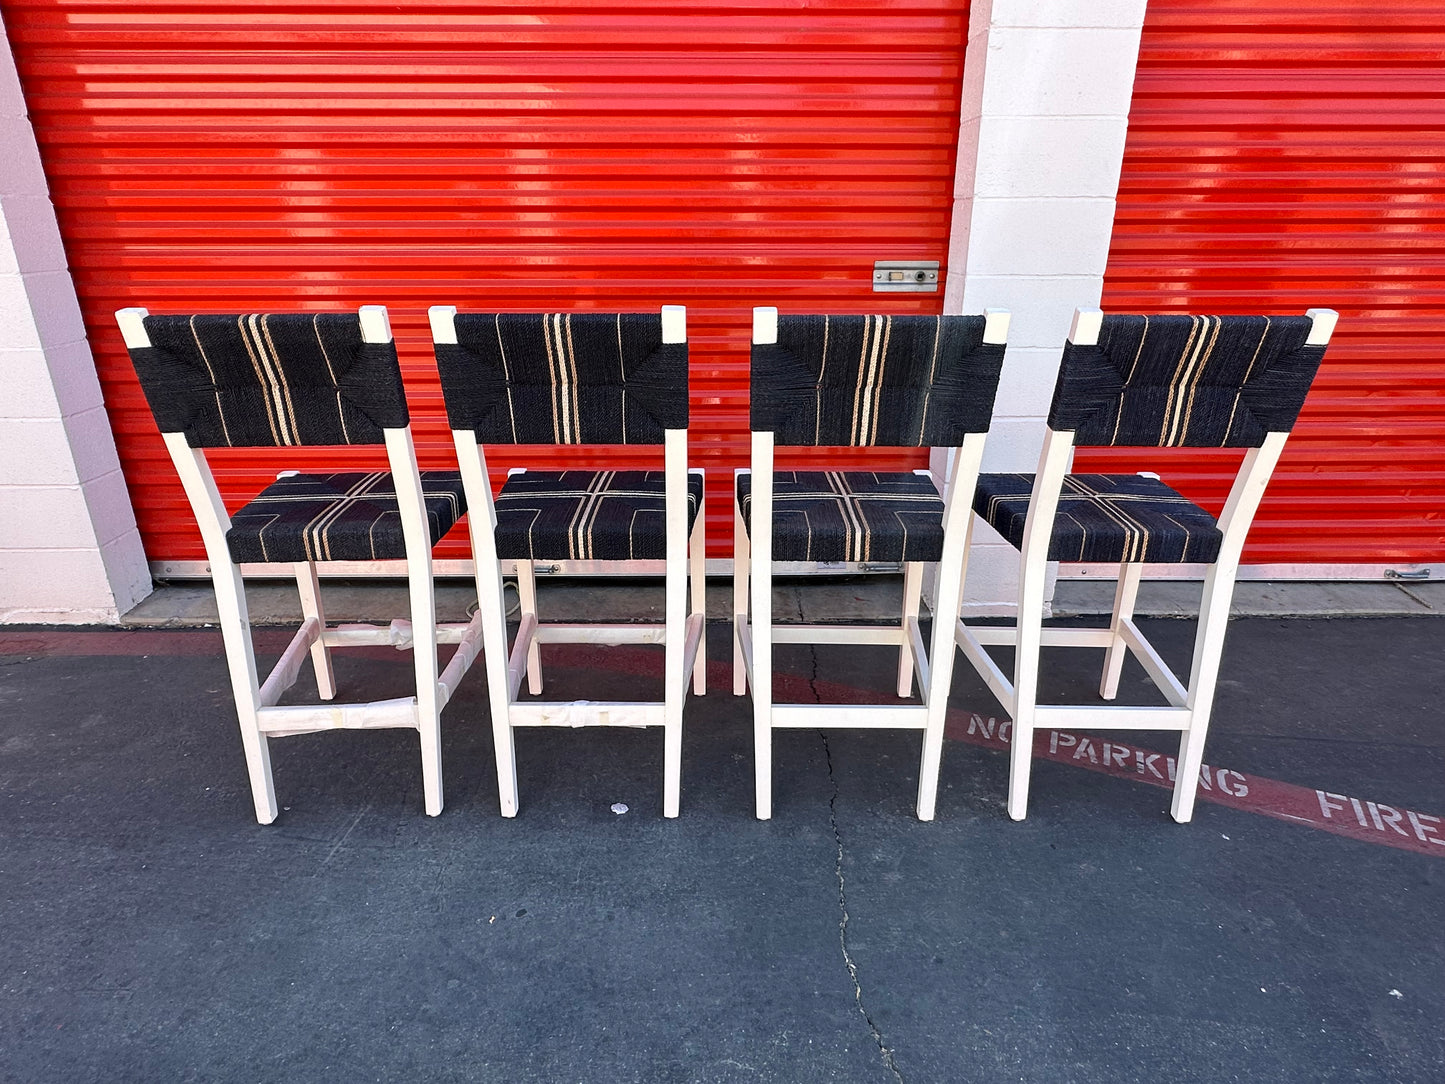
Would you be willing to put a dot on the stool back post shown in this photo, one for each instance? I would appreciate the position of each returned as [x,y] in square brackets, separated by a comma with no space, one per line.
[1234,523]
[401,456]
[674,331]
[765,332]
[481,522]
[964,463]
[211,517]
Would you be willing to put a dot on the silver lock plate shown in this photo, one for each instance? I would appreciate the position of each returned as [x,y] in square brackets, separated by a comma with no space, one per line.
[905,276]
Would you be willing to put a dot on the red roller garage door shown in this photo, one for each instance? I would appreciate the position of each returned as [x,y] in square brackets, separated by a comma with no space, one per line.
[1282,156]
[222,156]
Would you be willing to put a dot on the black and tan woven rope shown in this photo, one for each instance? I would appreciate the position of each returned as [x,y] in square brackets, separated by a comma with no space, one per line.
[1196,381]
[345,516]
[1105,517]
[851,516]
[613,515]
[269,380]
[563,378]
[893,381]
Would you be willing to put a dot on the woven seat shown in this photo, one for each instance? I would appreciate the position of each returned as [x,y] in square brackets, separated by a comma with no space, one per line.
[1105,517]
[609,515]
[347,516]
[851,516]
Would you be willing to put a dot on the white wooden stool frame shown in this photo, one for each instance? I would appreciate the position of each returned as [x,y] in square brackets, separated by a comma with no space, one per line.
[1189,706]
[256,702]
[682,634]
[754,632]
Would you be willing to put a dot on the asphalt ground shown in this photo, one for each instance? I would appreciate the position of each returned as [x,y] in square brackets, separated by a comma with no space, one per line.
[154,931]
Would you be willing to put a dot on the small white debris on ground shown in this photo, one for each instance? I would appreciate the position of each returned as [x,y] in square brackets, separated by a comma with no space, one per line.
[619,808]
[1396,993]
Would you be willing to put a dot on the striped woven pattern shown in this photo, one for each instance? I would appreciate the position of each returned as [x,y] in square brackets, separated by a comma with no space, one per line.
[1105,517]
[1197,381]
[563,378]
[268,380]
[347,516]
[611,515]
[897,381]
[851,516]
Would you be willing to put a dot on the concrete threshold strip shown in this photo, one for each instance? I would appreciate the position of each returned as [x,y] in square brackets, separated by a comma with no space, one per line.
[1327,811]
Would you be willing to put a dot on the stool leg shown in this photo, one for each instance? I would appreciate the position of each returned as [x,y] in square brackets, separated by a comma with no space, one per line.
[241,660]
[912,594]
[761,578]
[741,562]
[424,658]
[1203,675]
[308,586]
[1124,596]
[527,595]
[1034,575]
[952,573]
[1026,691]
[697,554]
[675,647]
[494,649]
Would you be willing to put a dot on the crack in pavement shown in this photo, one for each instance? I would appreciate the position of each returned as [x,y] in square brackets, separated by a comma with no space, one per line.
[883,1049]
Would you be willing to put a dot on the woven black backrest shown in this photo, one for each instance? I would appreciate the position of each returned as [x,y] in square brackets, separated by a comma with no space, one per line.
[269,380]
[1186,381]
[564,378]
[898,381]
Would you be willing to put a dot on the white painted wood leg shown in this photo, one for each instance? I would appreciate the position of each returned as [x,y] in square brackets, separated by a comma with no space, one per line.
[428,708]
[675,649]
[952,570]
[740,596]
[494,647]
[912,595]
[1124,595]
[1203,676]
[697,579]
[241,661]
[761,577]
[308,586]
[527,596]
[940,673]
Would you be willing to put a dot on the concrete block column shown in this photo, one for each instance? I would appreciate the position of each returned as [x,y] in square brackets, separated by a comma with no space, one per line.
[1046,96]
[69,549]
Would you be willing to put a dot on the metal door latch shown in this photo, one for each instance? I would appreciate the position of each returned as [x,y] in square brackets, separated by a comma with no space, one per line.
[905,276]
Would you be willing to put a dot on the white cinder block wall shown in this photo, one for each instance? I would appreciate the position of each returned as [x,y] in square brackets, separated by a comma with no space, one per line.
[69,549]
[1046,95]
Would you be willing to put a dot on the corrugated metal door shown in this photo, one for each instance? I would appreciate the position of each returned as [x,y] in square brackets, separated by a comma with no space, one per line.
[1282,156]
[219,155]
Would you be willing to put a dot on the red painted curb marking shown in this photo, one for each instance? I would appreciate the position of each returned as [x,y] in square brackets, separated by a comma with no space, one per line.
[1327,811]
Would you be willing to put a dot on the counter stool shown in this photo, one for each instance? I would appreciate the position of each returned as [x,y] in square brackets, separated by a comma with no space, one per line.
[573,379]
[287,380]
[1156,381]
[857,381]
